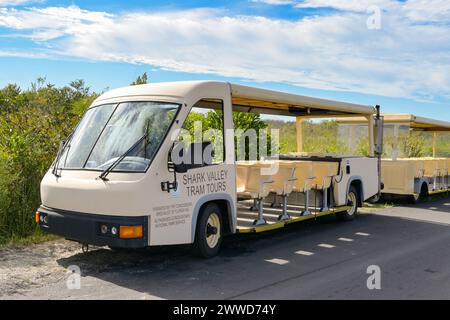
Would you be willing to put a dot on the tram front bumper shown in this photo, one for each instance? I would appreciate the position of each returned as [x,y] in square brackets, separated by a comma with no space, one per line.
[94,229]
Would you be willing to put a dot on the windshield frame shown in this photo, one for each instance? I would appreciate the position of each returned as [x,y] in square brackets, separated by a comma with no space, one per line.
[117,103]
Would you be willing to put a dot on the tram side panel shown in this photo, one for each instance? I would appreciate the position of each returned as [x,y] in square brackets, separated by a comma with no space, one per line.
[362,172]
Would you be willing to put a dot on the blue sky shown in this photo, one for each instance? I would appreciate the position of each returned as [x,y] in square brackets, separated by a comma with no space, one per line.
[387,52]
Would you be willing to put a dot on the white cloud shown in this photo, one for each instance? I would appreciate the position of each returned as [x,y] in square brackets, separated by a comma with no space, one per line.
[52,22]
[275,2]
[6,3]
[346,5]
[333,52]
[415,10]
[428,10]
[29,55]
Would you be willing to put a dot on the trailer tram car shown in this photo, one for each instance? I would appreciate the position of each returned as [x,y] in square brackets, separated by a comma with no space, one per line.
[406,170]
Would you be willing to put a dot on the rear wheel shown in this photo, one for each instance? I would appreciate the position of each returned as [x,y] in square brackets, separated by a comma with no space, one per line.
[208,235]
[352,202]
[421,197]
[375,199]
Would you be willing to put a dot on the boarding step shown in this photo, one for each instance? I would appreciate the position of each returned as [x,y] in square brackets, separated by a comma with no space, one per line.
[246,219]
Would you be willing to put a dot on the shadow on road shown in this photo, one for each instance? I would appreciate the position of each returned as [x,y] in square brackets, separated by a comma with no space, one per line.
[173,273]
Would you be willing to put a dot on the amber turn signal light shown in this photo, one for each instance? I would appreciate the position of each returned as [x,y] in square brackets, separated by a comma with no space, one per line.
[36,217]
[130,232]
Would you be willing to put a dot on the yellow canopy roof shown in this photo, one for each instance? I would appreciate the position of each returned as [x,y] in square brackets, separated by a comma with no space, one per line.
[414,122]
[262,100]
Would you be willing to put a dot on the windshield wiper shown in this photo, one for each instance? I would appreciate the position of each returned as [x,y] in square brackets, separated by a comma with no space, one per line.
[105,172]
[62,147]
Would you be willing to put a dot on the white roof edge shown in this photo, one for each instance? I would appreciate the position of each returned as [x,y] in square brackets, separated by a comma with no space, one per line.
[299,100]
[182,88]
[176,89]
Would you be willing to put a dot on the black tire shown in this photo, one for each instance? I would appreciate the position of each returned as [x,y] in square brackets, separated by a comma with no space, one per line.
[375,199]
[421,197]
[353,201]
[209,225]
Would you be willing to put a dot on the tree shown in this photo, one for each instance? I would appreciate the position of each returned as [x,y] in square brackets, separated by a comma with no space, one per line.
[242,120]
[32,124]
[142,79]
[79,86]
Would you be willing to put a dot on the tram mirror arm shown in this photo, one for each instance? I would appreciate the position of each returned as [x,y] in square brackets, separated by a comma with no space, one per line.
[379,134]
[171,185]
[175,168]
[379,127]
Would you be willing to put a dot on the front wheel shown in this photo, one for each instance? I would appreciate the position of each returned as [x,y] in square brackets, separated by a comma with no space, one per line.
[208,235]
[352,202]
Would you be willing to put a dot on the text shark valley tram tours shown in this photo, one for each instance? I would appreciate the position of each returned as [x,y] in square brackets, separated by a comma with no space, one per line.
[205,182]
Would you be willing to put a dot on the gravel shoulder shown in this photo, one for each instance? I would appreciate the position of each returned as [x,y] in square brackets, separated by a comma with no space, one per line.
[27,267]
[24,269]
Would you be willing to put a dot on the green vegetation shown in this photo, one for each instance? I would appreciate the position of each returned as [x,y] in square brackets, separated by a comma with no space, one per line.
[142,79]
[443,145]
[36,237]
[330,137]
[213,119]
[287,135]
[33,122]
[325,136]
[244,122]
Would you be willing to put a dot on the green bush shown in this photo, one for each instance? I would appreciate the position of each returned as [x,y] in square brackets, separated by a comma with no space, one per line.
[32,124]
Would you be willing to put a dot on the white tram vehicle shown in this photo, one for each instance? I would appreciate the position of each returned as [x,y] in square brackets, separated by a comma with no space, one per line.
[115,181]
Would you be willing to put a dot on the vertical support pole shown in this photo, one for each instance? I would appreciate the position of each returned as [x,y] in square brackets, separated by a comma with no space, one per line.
[299,129]
[395,144]
[275,201]
[306,212]
[325,200]
[437,178]
[254,207]
[379,145]
[434,144]
[371,127]
[260,220]
[284,215]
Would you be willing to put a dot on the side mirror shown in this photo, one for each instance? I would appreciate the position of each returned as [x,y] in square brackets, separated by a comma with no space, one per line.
[196,156]
[178,168]
[378,139]
[177,149]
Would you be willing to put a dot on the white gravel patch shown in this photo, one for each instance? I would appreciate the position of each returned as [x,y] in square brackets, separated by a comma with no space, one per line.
[26,267]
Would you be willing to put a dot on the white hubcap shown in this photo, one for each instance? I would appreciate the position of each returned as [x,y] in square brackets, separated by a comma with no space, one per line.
[352,201]
[213,230]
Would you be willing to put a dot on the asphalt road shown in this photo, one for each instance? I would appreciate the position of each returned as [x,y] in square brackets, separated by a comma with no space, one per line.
[313,260]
